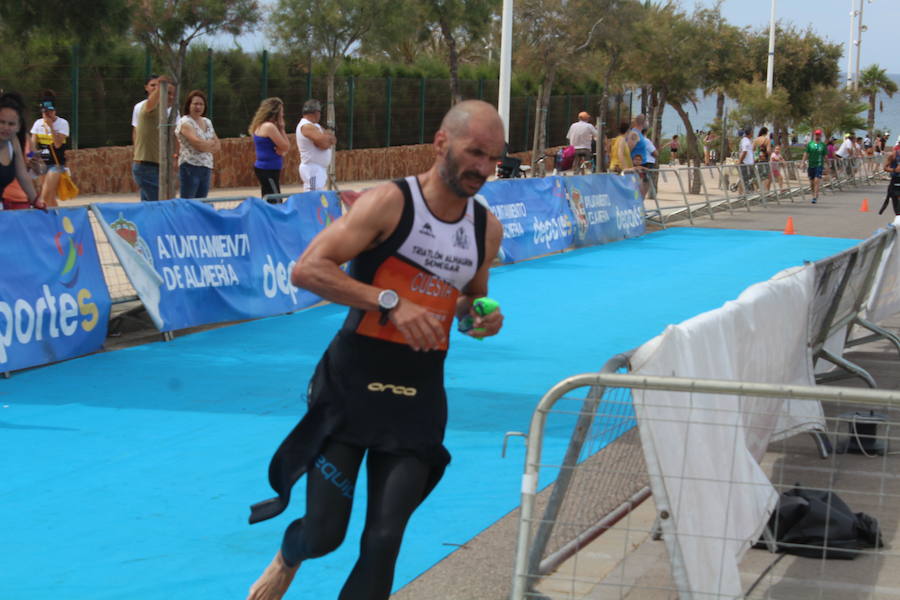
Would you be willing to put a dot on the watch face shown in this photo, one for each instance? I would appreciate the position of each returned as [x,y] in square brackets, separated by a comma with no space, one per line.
[388,299]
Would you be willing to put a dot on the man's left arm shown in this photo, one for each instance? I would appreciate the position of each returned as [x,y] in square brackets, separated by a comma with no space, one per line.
[478,287]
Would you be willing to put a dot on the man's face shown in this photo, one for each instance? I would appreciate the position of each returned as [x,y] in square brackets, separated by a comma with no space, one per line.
[468,160]
[47,114]
[151,85]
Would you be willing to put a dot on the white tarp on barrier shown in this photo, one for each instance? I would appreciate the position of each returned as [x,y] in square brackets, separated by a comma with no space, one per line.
[702,450]
[884,302]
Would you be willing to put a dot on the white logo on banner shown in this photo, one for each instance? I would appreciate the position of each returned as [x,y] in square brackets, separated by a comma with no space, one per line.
[277,278]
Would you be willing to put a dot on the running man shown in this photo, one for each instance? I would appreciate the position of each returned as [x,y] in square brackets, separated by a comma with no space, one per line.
[814,153]
[421,248]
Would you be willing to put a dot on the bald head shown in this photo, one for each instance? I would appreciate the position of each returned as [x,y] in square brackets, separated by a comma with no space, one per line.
[469,115]
[584,116]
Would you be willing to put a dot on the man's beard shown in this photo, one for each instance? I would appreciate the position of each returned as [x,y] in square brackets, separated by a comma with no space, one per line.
[448,172]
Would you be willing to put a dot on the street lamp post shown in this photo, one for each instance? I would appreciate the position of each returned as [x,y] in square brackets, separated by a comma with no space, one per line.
[770,68]
[850,43]
[860,30]
[506,24]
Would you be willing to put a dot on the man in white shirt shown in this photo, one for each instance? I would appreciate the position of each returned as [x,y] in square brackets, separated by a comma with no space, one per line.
[150,84]
[580,134]
[746,160]
[845,152]
[315,145]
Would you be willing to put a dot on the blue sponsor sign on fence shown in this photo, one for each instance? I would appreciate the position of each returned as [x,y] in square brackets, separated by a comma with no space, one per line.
[192,264]
[607,208]
[550,214]
[535,215]
[54,303]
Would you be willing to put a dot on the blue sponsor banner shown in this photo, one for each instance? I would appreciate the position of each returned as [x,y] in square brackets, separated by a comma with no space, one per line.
[606,208]
[54,303]
[192,264]
[535,215]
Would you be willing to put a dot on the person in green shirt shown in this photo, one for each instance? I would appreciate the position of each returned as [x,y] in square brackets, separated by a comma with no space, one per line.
[815,155]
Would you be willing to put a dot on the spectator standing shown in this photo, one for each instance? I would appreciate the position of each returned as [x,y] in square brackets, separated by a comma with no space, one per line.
[620,156]
[745,159]
[316,145]
[271,143]
[650,164]
[814,154]
[776,163]
[637,144]
[762,146]
[673,150]
[12,161]
[145,167]
[150,84]
[580,135]
[49,136]
[709,150]
[198,141]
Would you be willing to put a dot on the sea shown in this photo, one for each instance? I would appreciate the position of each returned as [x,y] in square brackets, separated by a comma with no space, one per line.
[705,111]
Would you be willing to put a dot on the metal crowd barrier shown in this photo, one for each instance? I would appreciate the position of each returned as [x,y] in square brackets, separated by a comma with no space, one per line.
[120,288]
[600,479]
[684,192]
[629,561]
[843,285]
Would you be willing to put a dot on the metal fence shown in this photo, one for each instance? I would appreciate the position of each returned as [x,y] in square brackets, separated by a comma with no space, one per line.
[685,192]
[370,112]
[629,561]
[603,476]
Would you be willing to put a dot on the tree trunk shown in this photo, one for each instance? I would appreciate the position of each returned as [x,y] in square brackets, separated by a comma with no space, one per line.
[447,33]
[692,146]
[329,121]
[871,118]
[657,117]
[542,104]
[720,106]
[602,113]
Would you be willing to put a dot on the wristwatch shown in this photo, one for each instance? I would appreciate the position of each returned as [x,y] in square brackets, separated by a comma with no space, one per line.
[387,301]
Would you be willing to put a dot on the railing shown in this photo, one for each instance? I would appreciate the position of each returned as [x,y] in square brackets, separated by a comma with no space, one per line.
[605,460]
[686,192]
[630,562]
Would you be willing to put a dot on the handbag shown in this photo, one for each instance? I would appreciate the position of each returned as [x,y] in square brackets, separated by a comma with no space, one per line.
[66,189]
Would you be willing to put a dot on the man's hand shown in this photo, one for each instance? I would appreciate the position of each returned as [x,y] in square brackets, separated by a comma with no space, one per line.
[421,329]
[40,204]
[486,326]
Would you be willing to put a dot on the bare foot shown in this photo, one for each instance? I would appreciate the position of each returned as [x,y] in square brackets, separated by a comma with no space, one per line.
[274,581]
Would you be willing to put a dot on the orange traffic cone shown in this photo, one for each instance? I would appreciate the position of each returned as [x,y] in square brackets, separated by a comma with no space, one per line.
[864,207]
[789,228]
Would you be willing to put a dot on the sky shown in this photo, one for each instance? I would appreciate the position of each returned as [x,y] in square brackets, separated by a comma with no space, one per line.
[829,18]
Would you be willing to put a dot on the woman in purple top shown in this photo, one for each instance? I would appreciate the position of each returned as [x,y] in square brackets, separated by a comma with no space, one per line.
[271,142]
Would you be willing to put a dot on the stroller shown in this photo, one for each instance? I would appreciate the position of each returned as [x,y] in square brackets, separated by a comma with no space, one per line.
[509,167]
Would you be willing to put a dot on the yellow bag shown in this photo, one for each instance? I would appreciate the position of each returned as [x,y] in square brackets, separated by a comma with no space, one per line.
[67,189]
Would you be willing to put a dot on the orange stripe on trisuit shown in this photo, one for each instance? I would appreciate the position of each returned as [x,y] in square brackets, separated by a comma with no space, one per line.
[416,285]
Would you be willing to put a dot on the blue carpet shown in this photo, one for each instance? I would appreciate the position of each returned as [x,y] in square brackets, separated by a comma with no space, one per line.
[129,474]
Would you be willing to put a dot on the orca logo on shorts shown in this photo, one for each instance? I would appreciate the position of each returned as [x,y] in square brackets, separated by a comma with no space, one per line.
[398,390]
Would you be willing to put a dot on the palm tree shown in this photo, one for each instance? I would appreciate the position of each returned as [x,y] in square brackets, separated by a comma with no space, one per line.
[872,81]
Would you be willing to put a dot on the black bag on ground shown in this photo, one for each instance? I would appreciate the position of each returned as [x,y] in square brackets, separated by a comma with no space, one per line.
[818,524]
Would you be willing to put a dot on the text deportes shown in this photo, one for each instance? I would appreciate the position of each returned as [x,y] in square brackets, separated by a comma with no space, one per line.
[26,320]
